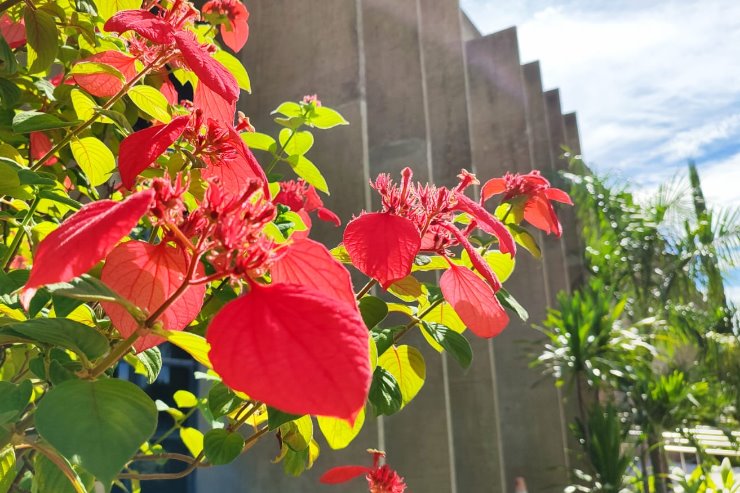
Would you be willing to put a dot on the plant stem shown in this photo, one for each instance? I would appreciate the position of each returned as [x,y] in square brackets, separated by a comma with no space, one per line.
[8,4]
[279,155]
[108,104]
[417,319]
[114,355]
[367,287]
[61,464]
[20,233]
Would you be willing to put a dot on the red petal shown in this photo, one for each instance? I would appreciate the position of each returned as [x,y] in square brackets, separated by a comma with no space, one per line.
[382,246]
[142,148]
[237,37]
[328,216]
[143,22]
[209,71]
[40,145]
[84,239]
[213,105]
[474,301]
[478,262]
[13,32]
[539,213]
[342,474]
[492,187]
[558,196]
[235,173]
[488,223]
[148,275]
[293,348]
[310,264]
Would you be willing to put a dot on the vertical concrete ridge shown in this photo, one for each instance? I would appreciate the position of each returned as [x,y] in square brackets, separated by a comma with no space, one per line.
[572,136]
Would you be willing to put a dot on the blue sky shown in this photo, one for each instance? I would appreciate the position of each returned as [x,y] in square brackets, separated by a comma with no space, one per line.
[654,83]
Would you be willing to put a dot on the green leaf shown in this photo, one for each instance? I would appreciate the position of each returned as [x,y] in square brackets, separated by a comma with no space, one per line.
[525,239]
[407,366]
[48,477]
[309,172]
[297,434]
[510,302]
[338,432]
[150,101]
[184,399]
[39,179]
[118,119]
[10,94]
[299,144]
[326,118]
[42,43]
[373,310]
[454,343]
[151,362]
[106,8]
[236,68]
[289,109]
[7,469]
[95,159]
[32,121]
[103,422]
[8,62]
[13,399]
[383,337]
[263,142]
[222,446]
[385,394]
[10,182]
[62,199]
[222,400]
[79,338]
[276,418]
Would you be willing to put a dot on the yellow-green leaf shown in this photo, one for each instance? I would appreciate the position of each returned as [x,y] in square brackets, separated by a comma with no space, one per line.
[435,263]
[309,172]
[150,101]
[106,8]
[183,398]
[407,289]
[95,159]
[340,253]
[193,344]
[338,432]
[502,264]
[297,434]
[445,315]
[407,366]
[236,68]
[193,440]
[41,39]
[7,468]
[85,106]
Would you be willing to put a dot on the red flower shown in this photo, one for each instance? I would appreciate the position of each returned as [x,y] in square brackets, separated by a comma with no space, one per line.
[40,145]
[232,15]
[380,479]
[299,196]
[13,32]
[530,196]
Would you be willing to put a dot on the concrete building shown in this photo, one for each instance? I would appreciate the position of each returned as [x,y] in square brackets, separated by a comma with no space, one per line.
[421,87]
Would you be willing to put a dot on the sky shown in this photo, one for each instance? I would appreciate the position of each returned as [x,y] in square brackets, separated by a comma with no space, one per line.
[654,83]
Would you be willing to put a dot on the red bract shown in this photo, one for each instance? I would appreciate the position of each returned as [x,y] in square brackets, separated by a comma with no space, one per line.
[142,22]
[232,15]
[147,275]
[104,84]
[40,145]
[209,71]
[142,148]
[380,479]
[84,239]
[13,32]
[293,348]
[300,196]
[309,263]
[213,105]
[382,246]
[474,301]
[529,194]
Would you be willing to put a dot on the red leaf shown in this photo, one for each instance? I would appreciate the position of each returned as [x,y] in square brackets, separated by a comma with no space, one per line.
[142,22]
[209,71]
[478,262]
[13,32]
[492,187]
[102,84]
[487,223]
[142,148]
[84,239]
[236,35]
[474,301]
[213,105]
[342,474]
[40,145]
[147,275]
[293,348]
[382,246]
[310,264]
[170,92]
[235,173]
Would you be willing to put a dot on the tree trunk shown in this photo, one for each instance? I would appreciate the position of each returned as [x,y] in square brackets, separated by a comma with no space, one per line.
[657,459]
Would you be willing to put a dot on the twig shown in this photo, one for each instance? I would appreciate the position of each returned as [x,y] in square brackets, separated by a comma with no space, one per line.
[367,287]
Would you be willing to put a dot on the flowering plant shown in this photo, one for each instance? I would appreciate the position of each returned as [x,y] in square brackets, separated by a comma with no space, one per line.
[132,216]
